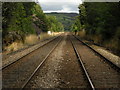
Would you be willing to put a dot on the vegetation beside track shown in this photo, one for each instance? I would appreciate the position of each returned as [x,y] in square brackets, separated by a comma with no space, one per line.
[100,23]
[21,20]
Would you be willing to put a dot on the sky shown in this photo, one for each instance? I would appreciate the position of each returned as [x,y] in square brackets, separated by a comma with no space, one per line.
[68,6]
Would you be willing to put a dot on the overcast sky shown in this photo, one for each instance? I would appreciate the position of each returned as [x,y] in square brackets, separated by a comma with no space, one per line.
[60,5]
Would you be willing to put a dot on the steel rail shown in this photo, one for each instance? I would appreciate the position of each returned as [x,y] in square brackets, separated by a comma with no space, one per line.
[104,58]
[83,67]
[7,65]
[24,85]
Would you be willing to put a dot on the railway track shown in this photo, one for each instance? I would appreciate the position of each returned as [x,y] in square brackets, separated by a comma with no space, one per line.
[83,67]
[19,73]
[94,71]
[38,67]
[7,65]
[104,58]
[86,72]
[81,81]
[100,73]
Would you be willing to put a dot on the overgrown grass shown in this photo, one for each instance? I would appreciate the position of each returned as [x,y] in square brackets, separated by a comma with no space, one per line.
[29,40]
[14,46]
[44,36]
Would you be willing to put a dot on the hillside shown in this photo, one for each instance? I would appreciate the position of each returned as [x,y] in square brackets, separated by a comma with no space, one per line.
[67,19]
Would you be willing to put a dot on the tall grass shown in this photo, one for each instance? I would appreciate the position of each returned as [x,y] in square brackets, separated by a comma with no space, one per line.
[29,40]
[14,46]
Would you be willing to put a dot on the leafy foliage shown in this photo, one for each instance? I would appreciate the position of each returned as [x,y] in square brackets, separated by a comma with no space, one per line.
[54,24]
[15,19]
[76,26]
[39,18]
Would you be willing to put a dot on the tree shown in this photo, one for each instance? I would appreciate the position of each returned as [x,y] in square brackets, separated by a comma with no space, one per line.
[101,20]
[17,19]
[54,24]
[40,18]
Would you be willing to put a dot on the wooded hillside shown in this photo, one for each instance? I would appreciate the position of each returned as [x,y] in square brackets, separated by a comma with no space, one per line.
[67,19]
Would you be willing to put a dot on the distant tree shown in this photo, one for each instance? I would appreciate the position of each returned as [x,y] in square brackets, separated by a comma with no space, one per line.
[54,24]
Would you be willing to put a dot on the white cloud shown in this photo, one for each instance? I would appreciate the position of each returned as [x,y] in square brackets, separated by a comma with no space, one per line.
[65,8]
[61,11]
[60,5]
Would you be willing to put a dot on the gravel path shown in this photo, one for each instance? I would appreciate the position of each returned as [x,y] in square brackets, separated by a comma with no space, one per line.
[61,70]
[21,70]
[102,74]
